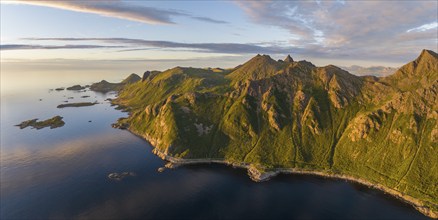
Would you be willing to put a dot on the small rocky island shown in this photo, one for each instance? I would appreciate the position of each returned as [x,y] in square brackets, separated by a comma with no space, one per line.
[77,104]
[120,176]
[54,122]
[76,87]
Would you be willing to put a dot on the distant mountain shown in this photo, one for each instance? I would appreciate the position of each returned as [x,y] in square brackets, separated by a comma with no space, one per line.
[288,116]
[370,71]
[105,86]
[131,79]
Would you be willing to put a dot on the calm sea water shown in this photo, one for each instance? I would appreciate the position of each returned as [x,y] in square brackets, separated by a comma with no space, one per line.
[62,173]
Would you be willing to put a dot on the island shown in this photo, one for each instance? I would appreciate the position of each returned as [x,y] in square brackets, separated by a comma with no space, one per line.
[120,176]
[76,87]
[54,122]
[77,104]
[290,116]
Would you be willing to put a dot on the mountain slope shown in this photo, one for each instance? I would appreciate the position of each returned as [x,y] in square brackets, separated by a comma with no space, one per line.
[286,114]
[105,86]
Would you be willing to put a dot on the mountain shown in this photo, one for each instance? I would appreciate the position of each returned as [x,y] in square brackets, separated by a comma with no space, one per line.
[420,73]
[370,71]
[288,59]
[287,116]
[131,79]
[105,86]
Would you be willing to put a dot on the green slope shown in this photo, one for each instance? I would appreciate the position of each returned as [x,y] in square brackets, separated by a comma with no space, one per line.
[287,114]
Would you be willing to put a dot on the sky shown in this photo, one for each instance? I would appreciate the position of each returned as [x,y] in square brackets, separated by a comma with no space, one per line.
[136,36]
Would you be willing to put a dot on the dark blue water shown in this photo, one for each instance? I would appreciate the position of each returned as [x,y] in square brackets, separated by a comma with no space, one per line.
[62,173]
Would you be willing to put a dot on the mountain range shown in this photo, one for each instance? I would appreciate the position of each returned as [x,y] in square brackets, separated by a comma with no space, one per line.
[370,71]
[273,115]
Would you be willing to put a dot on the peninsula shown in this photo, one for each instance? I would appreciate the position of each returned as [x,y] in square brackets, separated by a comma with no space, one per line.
[290,116]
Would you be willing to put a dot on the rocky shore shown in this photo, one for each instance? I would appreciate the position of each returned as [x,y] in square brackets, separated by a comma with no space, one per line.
[258,174]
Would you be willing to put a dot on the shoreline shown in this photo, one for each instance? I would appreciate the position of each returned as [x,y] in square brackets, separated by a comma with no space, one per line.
[260,176]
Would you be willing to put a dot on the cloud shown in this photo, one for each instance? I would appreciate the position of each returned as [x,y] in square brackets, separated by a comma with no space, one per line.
[115,65]
[140,44]
[50,47]
[395,55]
[119,9]
[272,48]
[424,27]
[359,28]
[116,9]
[210,20]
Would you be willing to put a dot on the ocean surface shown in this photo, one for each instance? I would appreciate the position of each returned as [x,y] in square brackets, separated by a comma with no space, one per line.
[63,173]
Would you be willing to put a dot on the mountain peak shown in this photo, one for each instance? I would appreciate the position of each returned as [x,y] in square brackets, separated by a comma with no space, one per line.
[427,59]
[260,59]
[288,59]
[420,73]
[427,54]
[258,67]
[131,79]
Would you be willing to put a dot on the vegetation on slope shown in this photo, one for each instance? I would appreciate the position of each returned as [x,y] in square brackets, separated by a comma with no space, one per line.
[287,114]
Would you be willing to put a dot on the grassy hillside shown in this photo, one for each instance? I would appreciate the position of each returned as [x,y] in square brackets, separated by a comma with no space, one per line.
[287,114]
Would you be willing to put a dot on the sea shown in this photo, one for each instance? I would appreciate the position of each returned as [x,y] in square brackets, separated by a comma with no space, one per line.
[63,173]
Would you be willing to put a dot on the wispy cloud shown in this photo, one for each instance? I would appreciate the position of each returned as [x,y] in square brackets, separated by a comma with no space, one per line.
[424,27]
[140,44]
[50,47]
[118,9]
[273,48]
[210,20]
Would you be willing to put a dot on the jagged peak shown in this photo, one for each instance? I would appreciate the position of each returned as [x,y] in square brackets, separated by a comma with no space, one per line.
[288,59]
[425,52]
[419,73]
[260,59]
[307,63]
[257,67]
[427,55]
[427,58]
[263,56]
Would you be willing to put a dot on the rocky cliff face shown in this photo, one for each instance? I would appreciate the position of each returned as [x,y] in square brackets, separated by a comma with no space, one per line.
[289,114]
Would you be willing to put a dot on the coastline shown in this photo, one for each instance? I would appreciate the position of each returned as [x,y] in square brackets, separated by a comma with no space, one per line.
[260,176]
